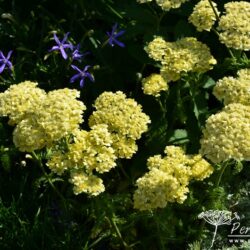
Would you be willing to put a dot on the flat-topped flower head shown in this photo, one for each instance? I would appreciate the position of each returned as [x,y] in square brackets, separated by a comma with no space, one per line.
[168,178]
[234,89]
[5,61]
[234,25]
[154,85]
[203,16]
[62,45]
[19,99]
[177,58]
[82,74]
[113,35]
[227,134]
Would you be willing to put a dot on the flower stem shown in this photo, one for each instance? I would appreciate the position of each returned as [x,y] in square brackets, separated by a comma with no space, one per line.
[221,173]
[125,245]
[215,232]
[214,10]
[48,177]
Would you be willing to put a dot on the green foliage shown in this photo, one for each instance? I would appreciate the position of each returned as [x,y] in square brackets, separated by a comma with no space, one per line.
[38,209]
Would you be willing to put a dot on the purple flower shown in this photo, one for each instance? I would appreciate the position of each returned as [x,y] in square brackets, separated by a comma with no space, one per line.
[62,45]
[113,35]
[76,55]
[5,62]
[82,74]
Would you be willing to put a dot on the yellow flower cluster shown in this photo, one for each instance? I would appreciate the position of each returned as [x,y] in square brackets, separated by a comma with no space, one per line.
[234,25]
[60,113]
[156,48]
[168,178]
[18,100]
[154,84]
[89,184]
[90,151]
[53,120]
[166,4]
[227,134]
[40,118]
[28,135]
[124,118]
[170,4]
[183,56]
[203,16]
[234,90]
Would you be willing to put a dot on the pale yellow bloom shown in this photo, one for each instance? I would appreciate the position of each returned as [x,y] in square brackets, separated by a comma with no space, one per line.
[60,113]
[234,90]
[166,4]
[156,48]
[28,135]
[203,16]
[170,4]
[124,118]
[89,151]
[124,147]
[200,168]
[168,178]
[84,183]
[180,57]
[18,100]
[154,84]
[227,134]
[234,25]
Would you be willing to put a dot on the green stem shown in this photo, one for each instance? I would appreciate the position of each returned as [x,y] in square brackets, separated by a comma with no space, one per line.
[221,173]
[159,19]
[214,10]
[229,50]
[162,247]
[125,245]
[48,178]
[192,92]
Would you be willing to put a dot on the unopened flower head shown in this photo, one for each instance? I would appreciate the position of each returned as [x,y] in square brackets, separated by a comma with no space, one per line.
[234,25]
[154,84]
[203,16]
[234,90]
[227,134]
[168,178]
[19,99]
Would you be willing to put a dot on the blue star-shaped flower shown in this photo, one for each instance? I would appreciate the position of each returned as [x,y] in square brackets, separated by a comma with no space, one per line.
[76,55]
[62,45]
[5,62]
[113,35]
[82,74]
